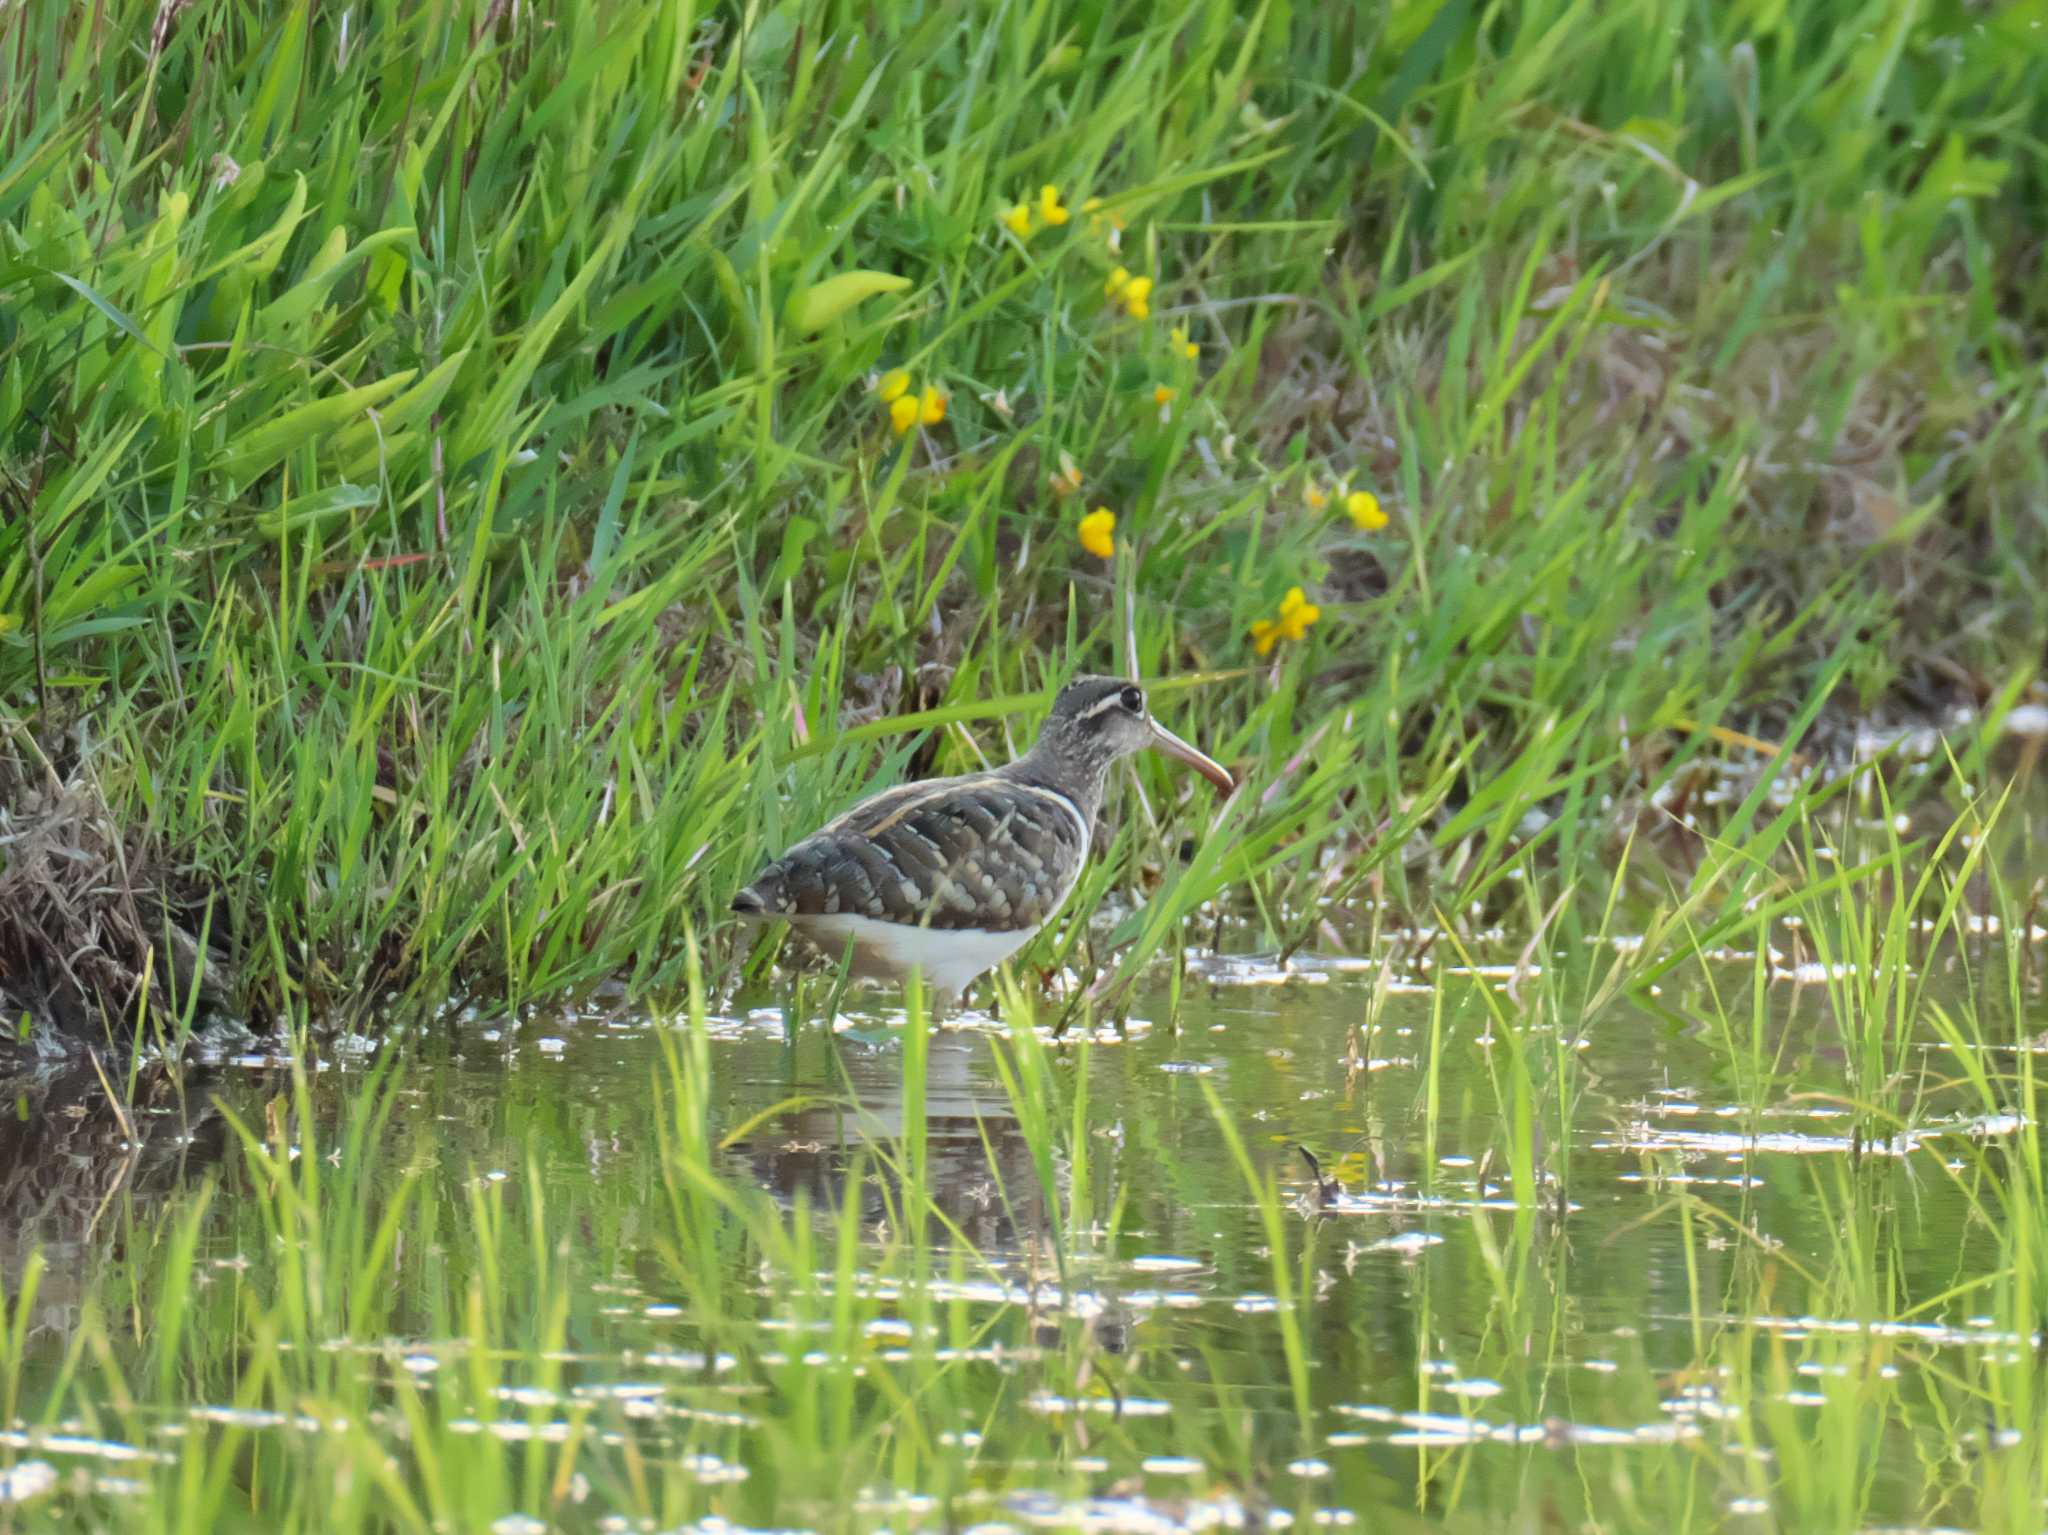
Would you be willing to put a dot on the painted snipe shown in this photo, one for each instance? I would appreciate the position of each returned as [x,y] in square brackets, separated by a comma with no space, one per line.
[952,876]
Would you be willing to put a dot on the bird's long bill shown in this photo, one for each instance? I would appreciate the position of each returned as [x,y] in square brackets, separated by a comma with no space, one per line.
[1207,766]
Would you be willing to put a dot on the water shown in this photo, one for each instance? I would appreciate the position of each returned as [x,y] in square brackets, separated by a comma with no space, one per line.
[1640,1266]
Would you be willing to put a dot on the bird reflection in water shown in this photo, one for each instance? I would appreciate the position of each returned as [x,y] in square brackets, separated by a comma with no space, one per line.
[983,1184]
[980,1174]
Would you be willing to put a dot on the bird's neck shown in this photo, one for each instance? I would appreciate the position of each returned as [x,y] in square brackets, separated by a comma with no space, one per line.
[1081,782]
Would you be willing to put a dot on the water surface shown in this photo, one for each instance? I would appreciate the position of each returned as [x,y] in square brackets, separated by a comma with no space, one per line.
[1553,1269]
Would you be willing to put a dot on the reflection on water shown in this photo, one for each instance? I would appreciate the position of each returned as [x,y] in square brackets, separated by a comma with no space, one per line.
[980,1167]
[76,1164]
[1547,1248]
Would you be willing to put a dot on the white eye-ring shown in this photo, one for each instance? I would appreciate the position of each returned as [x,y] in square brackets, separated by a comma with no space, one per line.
[1133,700]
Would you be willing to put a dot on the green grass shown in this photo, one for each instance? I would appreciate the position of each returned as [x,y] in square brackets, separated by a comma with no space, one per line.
[426,525]
[443,548]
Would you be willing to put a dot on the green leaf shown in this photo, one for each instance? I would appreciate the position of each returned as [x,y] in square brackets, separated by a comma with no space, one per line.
[360,446]
[317,508]
[335,260]
[92,297]
[812,309]
[1957,173]
[265,447]
[89,593]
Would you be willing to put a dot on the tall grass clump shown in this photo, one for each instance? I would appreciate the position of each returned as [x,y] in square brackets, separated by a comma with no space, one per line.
[458,461]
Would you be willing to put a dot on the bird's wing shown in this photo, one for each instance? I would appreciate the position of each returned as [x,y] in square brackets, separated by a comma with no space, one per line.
[979,852]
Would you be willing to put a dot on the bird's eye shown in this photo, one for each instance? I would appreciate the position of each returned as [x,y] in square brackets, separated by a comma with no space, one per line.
[1133,700]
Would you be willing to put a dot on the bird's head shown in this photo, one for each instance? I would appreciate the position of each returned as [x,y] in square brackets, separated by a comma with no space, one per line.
[1096,720]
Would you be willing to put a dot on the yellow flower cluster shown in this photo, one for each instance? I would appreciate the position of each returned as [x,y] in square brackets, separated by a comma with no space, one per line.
[1362,506]
[1024,219]
[1051,211]
[908,409]
[1296,614]
[1134,293]
[1098,532]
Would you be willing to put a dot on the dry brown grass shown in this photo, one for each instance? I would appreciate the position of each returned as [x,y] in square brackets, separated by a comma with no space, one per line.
[97,926]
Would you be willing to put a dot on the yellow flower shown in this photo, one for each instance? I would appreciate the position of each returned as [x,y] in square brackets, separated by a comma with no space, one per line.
[1316,497]
[1019,221]
[1162,395]
[903,413]
[1068,481]
[931,408]
[1181,344]
[1118,281]
[1049,207]
[1098,532]
[1364,508]
[1296,614]
[1137,296]
[893,383]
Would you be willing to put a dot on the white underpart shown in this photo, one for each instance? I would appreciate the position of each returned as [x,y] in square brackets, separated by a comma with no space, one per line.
[950,957]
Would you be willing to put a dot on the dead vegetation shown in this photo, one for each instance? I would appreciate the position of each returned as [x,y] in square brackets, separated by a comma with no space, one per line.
[97,925]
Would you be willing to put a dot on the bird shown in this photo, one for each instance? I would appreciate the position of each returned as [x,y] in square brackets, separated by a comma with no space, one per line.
[951,876]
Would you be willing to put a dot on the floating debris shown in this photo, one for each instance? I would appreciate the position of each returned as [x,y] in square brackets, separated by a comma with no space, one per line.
[1053,1406]
[1396,1200]
[1141,1516]
[1254,970]
[80,1445]
[1473,1390]
[1736,1144]
[2027,721]
[1814,973]
[26,1482]
[1437,1428]
[1166,1263]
